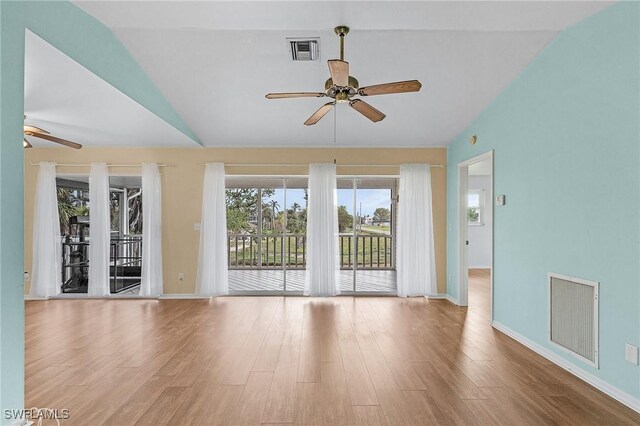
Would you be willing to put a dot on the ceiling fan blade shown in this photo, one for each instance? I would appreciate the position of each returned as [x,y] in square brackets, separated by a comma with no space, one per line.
[388,88]
[294,95]
[54,139]
[339,72]
[319,113]
[367,110]
[28,128]
[26,144]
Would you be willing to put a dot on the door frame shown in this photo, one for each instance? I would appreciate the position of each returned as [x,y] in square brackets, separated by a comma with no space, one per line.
[463,230]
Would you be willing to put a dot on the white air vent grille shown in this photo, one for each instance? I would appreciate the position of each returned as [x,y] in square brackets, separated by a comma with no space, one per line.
[307,49]
[573,316]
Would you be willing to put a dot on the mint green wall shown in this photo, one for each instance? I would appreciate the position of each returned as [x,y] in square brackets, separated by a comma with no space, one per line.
[566,136]
[91,44]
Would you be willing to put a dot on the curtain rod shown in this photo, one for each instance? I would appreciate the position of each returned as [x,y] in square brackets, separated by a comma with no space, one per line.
[306,165]
[108,165]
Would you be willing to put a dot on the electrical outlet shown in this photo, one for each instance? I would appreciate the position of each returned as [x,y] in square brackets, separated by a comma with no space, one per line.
[180,276]
[631,354]
[27,277]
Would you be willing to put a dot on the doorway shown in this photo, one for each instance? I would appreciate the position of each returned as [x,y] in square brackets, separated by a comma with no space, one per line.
[475,195]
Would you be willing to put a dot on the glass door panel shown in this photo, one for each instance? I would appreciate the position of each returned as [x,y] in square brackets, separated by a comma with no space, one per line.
[346,221]
[375,235]
[271,244]
[296,202]
[255,234]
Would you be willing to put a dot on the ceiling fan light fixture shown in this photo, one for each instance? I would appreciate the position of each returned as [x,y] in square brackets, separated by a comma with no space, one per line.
[342,87]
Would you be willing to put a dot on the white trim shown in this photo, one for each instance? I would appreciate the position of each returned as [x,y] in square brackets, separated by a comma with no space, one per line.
[84,296]
[29,297]
[596,382]
[480,267]
[437,296]
[183,296]
[445,296]
[463,231]
[453,300]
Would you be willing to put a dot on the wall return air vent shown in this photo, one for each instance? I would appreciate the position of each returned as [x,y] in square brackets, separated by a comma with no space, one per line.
[304,49]
[573,317]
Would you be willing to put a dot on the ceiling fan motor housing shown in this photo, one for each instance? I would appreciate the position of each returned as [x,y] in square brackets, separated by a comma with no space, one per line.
[333,91]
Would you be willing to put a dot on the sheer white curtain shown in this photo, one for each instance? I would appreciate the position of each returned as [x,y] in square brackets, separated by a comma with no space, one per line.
[99,238]
[323,267]
[47,244]
[212,278]
[151,284]
[415,251]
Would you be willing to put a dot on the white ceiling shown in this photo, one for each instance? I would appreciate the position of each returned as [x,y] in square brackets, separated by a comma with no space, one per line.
[70,102]
[214,61]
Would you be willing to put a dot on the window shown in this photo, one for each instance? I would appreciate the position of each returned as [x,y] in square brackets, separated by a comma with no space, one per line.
[475,207]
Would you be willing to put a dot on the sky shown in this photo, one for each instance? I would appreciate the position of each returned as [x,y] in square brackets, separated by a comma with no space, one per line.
[367,199]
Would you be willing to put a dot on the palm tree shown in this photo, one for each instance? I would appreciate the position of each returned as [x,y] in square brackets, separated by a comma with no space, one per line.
[295,207]
[274,206]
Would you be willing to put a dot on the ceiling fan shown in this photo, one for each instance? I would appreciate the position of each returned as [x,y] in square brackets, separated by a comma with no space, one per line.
[37,132]
[342,88]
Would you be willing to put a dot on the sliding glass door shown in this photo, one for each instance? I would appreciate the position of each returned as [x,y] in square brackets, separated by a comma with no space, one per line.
[366,217]
[266,234]
[375,235]
[267,241]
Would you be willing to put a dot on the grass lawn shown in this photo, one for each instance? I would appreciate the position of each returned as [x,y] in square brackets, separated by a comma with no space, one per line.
[372,251]
[376,229]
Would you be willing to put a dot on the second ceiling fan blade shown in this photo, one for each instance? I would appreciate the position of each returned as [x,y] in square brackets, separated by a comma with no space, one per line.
[54,139]
[367,110]
[319,113]
[294,95]
[339,72]
[388,88]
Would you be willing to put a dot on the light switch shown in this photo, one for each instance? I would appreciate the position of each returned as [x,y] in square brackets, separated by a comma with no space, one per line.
[631,354]
[501,200]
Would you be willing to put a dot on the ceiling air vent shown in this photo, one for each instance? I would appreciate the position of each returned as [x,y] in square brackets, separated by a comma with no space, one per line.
[307,49]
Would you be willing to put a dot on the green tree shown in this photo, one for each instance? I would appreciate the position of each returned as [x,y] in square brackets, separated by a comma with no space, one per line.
[381,214]
[237,220]
[345,220]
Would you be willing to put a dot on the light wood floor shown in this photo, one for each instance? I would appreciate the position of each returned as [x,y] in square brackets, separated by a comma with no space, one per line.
[480,292]
[252,360]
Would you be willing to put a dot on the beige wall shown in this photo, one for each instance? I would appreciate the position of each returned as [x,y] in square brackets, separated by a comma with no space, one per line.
[182,189]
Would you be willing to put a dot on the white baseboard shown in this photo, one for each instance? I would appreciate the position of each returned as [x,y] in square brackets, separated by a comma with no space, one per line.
[453,300]
[437,296]
[601,385]
[444,296]
[30,297]
[182,296]
[479,267]
[82,296]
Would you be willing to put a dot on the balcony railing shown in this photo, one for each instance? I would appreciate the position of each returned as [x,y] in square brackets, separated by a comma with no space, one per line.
[290,251]
[126,262]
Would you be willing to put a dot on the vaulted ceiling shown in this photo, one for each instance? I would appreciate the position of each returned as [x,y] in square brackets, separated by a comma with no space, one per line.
[214,62]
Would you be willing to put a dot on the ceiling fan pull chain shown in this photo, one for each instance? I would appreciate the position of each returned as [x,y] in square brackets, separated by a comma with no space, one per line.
[335,126]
